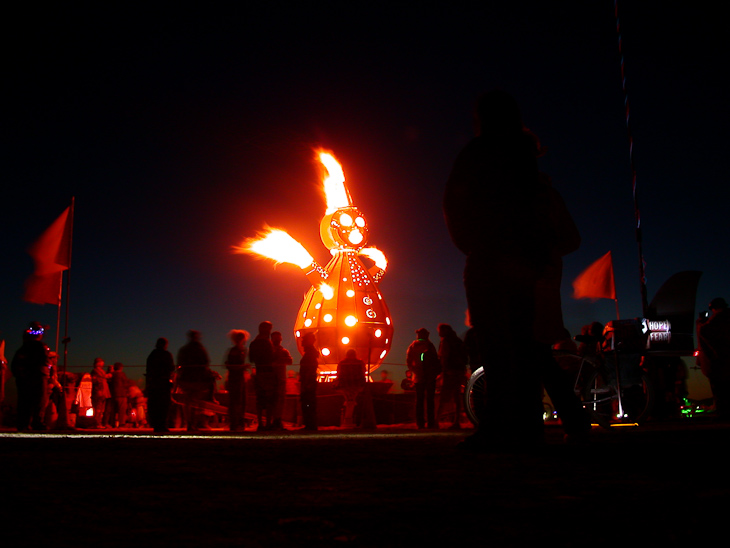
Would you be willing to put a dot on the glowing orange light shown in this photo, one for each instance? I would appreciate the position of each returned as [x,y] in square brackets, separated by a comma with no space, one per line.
[353,272]
[278,246]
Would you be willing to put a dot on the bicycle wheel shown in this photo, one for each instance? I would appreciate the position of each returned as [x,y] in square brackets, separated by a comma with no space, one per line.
[474,396]
[600,399]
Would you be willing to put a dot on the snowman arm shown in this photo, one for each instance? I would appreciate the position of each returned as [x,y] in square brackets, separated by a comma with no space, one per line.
[377,271]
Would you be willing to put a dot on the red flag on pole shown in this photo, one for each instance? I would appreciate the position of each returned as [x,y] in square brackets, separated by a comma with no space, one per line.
[596,281]
[51,254]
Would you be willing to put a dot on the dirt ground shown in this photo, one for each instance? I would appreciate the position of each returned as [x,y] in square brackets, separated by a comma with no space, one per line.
[664,483]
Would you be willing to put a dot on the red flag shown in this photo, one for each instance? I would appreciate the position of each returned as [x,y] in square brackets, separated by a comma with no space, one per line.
[51,254]
[596,281]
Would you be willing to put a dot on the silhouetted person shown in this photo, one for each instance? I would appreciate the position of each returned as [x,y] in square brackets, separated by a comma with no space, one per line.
[282,358]
[100,393]
[261,353]
[422,359]
[453,358]
[512,227]
[160,367]
[194,376]
[120,397]
[3,376]
[31,371]
[385,380]
[308,381]
[350,382]
[407,384]
[714,355]
[236,382]
[590,339]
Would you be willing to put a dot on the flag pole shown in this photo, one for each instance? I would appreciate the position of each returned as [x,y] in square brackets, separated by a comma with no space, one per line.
[62,422]
[58,311]
[66,339]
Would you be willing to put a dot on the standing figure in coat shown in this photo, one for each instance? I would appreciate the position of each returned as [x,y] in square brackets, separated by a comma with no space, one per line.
[261,353]
[308,381]
[423,360]
[160,367]
[236,382]
[100,393]
[512,227]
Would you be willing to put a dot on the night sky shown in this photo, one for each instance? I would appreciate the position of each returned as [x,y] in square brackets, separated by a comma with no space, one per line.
[182,132]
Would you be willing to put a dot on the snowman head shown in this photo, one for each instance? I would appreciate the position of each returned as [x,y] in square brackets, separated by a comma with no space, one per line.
[346,228]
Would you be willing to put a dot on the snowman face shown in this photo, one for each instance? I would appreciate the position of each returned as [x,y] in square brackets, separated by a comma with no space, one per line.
[349,228]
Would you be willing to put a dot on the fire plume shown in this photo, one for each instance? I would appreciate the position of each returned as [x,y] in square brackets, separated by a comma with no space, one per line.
[333,183]
[375,255]
[277,245]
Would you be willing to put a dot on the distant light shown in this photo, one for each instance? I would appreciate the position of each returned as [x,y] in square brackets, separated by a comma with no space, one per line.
[325,351]
[328,318]
[387,320]
[345,340]
[383,353]
[350,293]
[307,322]
[350,321]
[378,333]
[346,220]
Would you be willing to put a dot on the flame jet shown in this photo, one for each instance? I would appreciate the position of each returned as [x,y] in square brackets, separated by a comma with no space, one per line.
[344,307]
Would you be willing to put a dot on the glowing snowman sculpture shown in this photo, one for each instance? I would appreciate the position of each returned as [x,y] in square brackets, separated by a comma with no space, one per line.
[343,308]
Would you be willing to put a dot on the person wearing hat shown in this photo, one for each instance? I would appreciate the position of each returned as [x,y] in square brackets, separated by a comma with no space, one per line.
[422,359]
[714,354]
[30,367]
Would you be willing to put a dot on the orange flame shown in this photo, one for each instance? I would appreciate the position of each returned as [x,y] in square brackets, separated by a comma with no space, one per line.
[277,245]
[334,182]
[374,254]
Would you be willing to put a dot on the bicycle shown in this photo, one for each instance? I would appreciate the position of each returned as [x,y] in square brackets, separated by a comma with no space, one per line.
[619,395]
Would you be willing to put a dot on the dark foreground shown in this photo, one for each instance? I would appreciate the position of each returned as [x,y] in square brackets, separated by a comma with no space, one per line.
[664,484]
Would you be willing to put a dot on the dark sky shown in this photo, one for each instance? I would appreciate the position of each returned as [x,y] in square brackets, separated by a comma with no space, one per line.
[182,132]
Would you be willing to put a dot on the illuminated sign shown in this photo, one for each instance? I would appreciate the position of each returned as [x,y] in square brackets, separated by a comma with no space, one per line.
[658,331]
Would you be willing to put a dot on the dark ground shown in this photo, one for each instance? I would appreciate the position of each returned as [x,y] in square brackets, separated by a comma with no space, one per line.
[665,484]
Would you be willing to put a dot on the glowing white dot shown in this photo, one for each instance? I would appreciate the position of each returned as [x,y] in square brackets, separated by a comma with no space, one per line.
[383,353]
[387,320]
[328,317]
[350,293]
[360,222]
[307,322]
[355,237]
[325,351]
[318,306]
[378,333]
[345,340]
[298,334]
[327,291]
[350,321]
[345,220]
